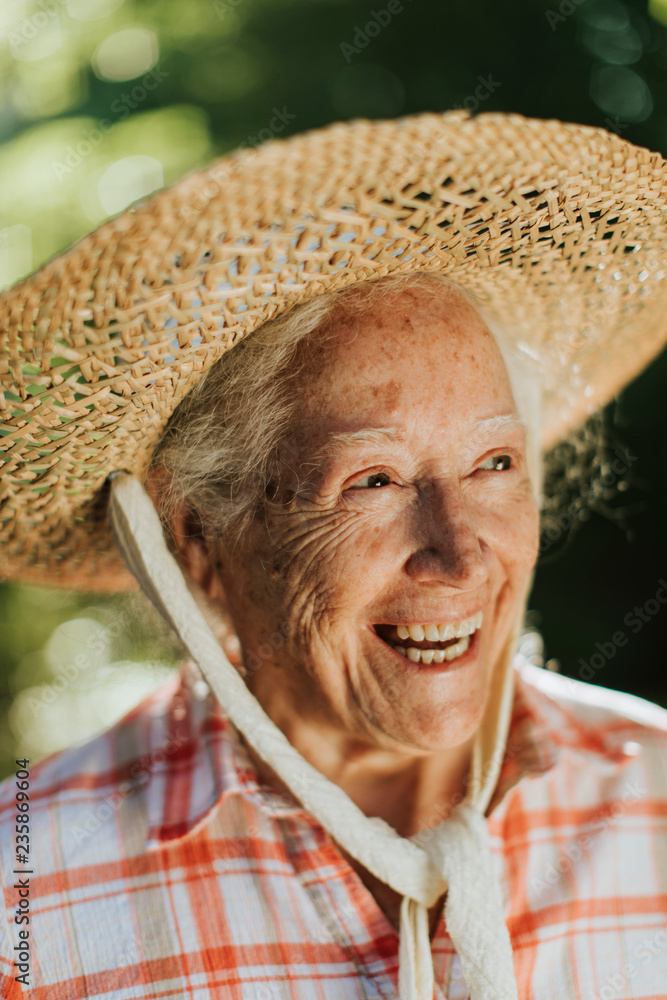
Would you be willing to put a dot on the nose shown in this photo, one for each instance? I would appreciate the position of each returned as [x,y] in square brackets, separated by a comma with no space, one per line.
[447,547]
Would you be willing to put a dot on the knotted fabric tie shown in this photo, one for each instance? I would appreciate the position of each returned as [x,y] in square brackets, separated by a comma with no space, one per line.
[454,857]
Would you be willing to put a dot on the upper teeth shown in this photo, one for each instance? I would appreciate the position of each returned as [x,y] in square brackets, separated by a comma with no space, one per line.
[441,633]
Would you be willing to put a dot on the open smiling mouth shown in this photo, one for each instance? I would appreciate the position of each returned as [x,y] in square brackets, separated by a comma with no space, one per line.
[432,643]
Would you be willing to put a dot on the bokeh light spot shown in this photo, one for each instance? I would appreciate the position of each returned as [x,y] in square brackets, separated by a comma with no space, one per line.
[607,15]
[618,47]
[127,180]
[36,37]
[126,54]
[622,92]
[658,10]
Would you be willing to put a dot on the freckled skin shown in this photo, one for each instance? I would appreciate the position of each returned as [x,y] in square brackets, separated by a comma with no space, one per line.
[443,539]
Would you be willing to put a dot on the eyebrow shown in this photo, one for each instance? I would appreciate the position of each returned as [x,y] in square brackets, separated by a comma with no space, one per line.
[380,435]
[499,423]
[372,435]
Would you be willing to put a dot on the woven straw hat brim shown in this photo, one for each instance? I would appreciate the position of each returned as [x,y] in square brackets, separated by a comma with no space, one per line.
[558,228]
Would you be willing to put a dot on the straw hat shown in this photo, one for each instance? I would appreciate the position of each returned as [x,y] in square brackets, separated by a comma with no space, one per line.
[558,228]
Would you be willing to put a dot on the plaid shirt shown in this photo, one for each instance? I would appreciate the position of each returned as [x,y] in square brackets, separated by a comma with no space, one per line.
[161,868]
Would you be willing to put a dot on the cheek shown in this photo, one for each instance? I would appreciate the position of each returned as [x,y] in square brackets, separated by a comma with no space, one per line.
[330,564]
[523,545]
[512,531]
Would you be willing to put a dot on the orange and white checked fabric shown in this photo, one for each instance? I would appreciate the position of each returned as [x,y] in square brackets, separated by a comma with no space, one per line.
[162,868]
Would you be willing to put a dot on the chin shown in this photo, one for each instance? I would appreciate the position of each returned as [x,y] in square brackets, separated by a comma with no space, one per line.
[429,735]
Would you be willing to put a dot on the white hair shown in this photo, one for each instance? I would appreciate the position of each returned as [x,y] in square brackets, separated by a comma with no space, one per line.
[222,444]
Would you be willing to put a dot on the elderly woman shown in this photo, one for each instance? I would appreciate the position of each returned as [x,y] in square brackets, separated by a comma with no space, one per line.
[371,794]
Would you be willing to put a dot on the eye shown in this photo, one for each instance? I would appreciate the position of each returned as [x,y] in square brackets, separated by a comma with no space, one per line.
[498,463]
[371,481]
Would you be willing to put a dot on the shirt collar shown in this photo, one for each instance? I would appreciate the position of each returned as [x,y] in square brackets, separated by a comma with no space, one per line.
[199,760]
[203,759]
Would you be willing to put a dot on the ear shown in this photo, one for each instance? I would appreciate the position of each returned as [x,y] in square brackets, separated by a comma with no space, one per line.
[199,558]
[196,554]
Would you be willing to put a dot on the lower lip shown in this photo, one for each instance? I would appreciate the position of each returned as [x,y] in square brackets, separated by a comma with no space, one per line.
[447,666]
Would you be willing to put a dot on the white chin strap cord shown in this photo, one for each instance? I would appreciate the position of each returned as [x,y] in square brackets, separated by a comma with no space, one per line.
[457,858]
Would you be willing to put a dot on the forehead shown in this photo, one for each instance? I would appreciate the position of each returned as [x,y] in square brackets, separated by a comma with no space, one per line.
[417,352]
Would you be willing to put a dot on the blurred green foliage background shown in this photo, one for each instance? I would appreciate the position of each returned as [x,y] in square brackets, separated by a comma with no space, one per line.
[103,101]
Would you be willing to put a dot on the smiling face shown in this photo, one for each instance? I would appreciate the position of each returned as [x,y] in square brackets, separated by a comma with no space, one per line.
[406,503]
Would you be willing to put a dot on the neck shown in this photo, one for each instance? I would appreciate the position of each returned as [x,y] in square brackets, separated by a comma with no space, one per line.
[410,790]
